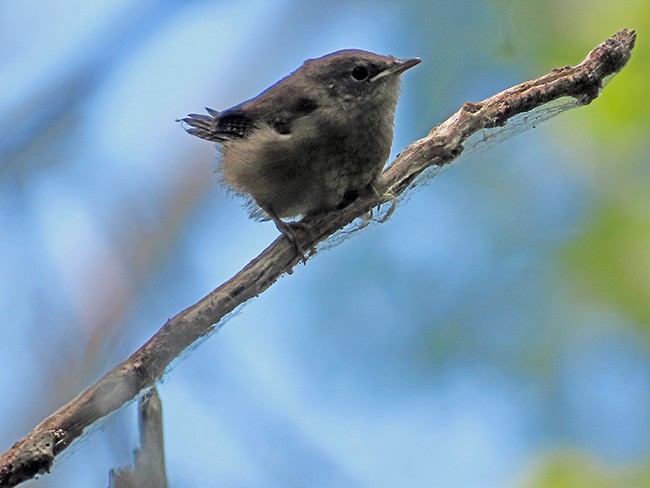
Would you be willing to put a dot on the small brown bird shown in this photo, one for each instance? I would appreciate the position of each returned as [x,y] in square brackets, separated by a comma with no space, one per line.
[313,141]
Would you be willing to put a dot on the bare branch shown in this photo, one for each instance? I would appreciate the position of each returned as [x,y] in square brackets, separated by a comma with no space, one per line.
[35,453]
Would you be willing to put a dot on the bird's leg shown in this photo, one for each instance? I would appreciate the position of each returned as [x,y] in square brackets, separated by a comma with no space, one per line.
[288,229]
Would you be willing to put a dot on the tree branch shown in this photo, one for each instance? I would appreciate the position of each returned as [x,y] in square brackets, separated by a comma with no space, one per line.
[36,452]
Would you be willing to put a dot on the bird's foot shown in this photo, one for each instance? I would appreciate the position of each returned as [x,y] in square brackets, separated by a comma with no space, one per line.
[291,230]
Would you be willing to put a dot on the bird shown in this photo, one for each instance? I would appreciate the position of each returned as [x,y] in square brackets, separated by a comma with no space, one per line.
[312,142]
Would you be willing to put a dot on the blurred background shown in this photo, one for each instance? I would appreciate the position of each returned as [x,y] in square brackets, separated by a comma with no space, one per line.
[493,333]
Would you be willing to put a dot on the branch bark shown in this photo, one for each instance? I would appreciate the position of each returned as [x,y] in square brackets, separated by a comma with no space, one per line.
[36,452]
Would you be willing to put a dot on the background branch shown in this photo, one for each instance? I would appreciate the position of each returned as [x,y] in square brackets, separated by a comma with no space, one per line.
[35,453]
[149,466]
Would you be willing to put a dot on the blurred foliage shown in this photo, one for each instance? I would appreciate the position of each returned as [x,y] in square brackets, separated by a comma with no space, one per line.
[611,260]
[572,470]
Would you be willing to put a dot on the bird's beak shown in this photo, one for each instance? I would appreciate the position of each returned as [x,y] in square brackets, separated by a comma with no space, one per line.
[398,68]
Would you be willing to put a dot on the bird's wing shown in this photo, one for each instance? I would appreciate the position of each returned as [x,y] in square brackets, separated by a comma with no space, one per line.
[218,126]
[280,112]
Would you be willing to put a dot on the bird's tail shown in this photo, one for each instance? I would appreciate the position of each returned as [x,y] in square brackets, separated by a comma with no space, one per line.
[201,125]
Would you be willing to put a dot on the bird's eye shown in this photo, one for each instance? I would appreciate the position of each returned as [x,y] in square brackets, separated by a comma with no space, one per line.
[360,73]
